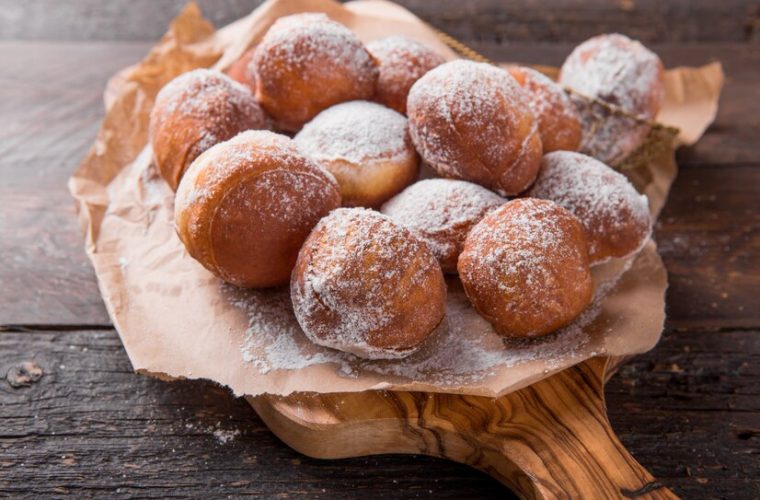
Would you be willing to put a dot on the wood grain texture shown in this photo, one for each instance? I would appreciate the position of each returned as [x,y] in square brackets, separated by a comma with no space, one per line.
[489,20]
[549,440]
[51,114]
[688,411]
[91,426]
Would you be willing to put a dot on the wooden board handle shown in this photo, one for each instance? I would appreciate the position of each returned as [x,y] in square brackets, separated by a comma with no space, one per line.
[553,440]
[549,440]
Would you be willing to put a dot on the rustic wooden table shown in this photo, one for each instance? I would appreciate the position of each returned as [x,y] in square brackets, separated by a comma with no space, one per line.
[689,410]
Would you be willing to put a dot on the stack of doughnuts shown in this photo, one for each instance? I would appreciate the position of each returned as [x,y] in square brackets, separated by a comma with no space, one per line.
[301,168]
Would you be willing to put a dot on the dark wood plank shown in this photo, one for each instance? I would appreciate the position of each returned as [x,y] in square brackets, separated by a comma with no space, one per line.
[493,20]
[688,411]
[92,427]
[709,238]
[51,110]
[576,20]
[53,113]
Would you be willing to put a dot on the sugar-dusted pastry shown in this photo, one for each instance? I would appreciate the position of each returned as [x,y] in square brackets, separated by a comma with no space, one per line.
[402,62]
[525,268]
[238,71]
[193,112]
[614,215]
[245,207]
[365,285]
[558,121]
[306,63]
[471,121]
[366,146]
[441,212]
[622,72]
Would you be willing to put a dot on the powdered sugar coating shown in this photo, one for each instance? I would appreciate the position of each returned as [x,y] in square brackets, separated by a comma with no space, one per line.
[366,146]
[246,205]
[402,62]
[195,111]
[357,132]
[441,212]
[525,268]
[622,72]
[363,284]
[614,215]
[559,121]
[471,121]
[306,63]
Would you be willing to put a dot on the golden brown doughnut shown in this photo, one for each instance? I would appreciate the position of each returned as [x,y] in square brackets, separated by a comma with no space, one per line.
[402,62]
[558,121]
[306,63]
[366,146]
[622,72]
[525,268]
[365,285]
[614,215]
[441,212]
[193,112]
[245,206]
[471,121]
[238,71]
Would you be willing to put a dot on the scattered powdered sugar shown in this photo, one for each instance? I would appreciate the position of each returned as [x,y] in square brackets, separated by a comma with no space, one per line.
[222,436]
[622,72]
[464,348]
[359,266]
[608,206]
[273,339]
[152,188]
[441,212]
[357,132]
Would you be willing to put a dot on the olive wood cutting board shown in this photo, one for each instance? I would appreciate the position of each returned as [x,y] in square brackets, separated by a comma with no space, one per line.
[551,439]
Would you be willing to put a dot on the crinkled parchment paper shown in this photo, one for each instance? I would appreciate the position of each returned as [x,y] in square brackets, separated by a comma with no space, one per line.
[177,320]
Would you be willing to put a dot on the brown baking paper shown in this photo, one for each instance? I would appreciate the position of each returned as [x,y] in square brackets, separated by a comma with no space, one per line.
[178,321]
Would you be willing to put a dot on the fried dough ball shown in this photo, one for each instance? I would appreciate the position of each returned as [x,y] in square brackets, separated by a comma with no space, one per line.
[441,212]
[366,146]
[558,121]
[471,121]
[525,268]
[238,71]
[614,215]
[365,285]
[306,63]
[193,112]
[621,72]
[245,207]
[402,62]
